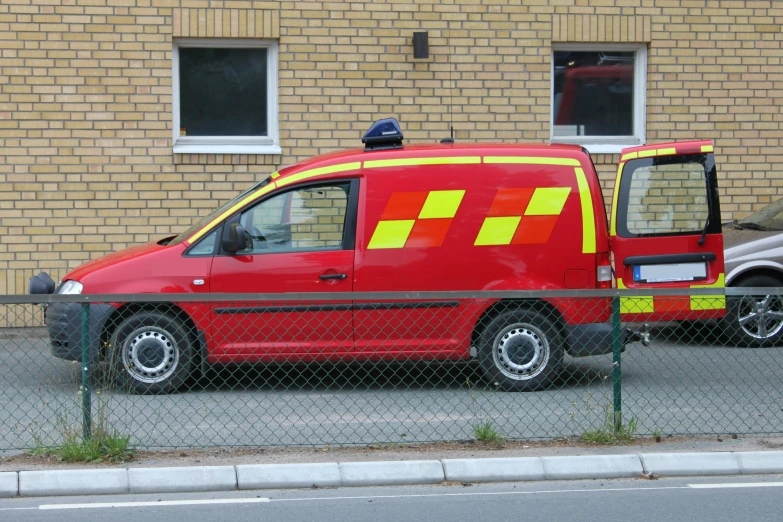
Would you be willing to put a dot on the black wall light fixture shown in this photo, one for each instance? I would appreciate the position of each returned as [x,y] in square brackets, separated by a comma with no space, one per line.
[421,46]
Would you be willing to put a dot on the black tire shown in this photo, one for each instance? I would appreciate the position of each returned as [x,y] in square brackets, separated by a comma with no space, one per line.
[759,327]
[521,350]
[152,353]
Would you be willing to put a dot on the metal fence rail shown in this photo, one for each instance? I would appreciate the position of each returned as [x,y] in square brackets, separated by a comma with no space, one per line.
[185,370]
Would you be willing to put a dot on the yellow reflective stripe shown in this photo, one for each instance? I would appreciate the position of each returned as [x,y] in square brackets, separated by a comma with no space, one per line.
[635,305]
[320,171]
[391,234]
[710,302]
[250,198]
[407,162]
[497,230]
[588,218]
[275,175]
[532,160]
[615,196]
[670,151]
[547,201]
[706,148]
[441,204]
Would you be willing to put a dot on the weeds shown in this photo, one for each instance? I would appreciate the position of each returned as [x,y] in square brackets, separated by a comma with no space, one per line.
[607,431]
[486,432]
[483,430]
[104,443]
[611,433]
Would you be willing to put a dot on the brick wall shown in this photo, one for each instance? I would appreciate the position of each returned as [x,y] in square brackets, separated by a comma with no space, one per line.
[85,99]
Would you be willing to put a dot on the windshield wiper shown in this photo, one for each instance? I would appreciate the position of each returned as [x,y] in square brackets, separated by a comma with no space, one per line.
[704,232]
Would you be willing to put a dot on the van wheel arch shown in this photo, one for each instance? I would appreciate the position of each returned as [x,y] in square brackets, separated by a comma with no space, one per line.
[129,309]
[530,304]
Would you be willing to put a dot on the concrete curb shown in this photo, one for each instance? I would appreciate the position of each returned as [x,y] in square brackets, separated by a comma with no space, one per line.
[403,472]
[9,484]
[73,482]
[687,464]
[184,479]
[272,476]
[345,474]
[592,467]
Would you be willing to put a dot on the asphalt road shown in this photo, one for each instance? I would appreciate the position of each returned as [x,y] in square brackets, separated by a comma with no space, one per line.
[691,500]
[675,387]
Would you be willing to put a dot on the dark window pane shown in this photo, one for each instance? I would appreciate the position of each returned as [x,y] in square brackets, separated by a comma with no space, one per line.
[222,92]
[593,93]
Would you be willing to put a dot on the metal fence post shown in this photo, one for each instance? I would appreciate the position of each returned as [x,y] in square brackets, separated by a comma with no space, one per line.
[617,370]
[86,388]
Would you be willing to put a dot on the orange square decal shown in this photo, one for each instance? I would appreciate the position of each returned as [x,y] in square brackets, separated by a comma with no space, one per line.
[428,233]
[510,202]
[404,205]
[534,230]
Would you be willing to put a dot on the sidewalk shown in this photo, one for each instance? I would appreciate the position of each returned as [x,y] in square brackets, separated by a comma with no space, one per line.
[243,469]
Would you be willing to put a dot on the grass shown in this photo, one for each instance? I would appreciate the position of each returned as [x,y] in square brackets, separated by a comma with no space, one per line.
[610,433]
[486,432]
[103,446]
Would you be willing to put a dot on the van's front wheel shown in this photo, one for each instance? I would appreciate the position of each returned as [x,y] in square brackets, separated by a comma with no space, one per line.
[153,353]
[521,350]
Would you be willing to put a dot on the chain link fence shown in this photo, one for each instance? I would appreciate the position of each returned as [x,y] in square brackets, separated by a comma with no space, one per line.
[178,371]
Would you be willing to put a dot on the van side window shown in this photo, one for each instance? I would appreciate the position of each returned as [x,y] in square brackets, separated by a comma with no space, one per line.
[302,219]
[205,247]
[667,198]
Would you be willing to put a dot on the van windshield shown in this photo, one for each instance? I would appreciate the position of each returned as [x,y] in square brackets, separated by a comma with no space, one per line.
[206,219]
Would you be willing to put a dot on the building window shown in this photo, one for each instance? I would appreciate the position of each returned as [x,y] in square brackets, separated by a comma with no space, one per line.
[225,96]
[598,96]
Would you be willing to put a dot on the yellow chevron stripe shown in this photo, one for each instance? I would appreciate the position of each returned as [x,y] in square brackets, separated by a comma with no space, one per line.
[408,162]
[532,160]
[588,217]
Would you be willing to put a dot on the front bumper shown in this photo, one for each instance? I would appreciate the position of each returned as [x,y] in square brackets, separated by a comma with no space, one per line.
[64,323]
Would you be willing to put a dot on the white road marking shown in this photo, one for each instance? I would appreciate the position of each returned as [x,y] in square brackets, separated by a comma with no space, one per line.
[486,493]
[738,485]
[100,505]
[104,505]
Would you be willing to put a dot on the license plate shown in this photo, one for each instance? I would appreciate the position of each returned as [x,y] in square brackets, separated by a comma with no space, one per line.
[669,273]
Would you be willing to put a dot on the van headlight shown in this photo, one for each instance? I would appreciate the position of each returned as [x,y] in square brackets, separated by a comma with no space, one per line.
[71,287]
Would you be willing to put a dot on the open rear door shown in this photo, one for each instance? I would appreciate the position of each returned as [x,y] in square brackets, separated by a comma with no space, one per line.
[666,230]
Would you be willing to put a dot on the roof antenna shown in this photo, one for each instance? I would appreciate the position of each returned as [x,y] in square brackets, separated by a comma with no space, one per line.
[451,90]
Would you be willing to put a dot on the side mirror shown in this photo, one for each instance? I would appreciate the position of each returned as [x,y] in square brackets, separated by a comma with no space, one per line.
[233,238]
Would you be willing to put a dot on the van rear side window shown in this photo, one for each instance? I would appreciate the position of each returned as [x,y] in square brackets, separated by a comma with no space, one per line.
[664,198]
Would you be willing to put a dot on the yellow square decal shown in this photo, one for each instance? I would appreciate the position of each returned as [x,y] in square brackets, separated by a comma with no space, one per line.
[441,204]
[548,201]
[391,234]
[497,231]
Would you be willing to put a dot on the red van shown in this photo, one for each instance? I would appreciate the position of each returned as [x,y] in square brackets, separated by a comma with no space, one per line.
[447,217]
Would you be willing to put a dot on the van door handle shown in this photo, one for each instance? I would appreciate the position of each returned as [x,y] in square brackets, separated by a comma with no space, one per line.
[324,277]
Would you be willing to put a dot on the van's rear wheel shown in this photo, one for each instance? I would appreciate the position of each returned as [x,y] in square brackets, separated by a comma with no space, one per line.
[521,350]
[153,353]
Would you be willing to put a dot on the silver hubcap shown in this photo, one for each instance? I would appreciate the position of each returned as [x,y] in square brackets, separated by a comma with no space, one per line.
[521,351]
[150,354]
[761,317]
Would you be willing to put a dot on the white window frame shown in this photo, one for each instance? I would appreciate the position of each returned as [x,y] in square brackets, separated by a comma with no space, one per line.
[269,144]
[607,144]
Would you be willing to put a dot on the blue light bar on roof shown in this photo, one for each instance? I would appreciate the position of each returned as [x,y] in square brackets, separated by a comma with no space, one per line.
[384,134]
